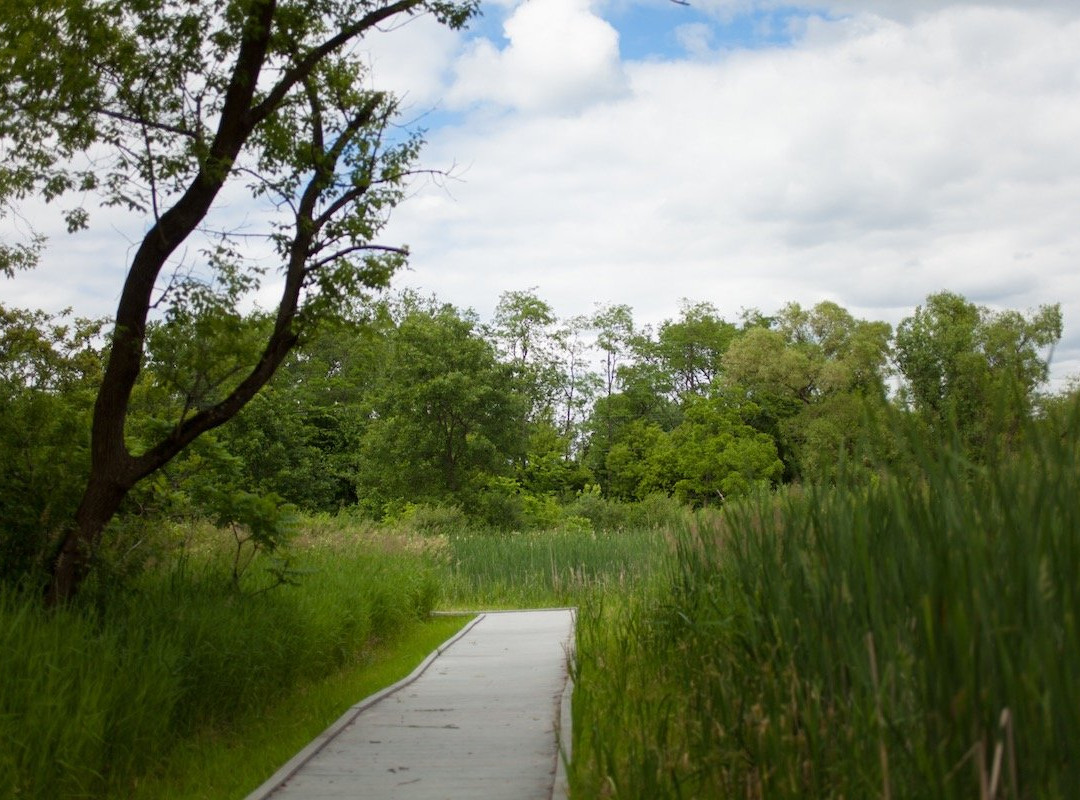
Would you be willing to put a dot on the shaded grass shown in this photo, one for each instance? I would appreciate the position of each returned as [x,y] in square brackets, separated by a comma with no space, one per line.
[914,638]
[216,764]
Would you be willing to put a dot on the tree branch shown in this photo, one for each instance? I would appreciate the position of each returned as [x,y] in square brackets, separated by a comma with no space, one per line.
[303,69]
[347,251]
[143,122]
[125,354]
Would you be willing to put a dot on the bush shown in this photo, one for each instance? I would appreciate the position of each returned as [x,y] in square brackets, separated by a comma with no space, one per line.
[604,514]
[657,512]
[429,519]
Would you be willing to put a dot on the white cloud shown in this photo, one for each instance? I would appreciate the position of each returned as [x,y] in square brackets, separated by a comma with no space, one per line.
[904,10]
[871,163]
[910,9]
[411,59]
[696,38]
[561,57]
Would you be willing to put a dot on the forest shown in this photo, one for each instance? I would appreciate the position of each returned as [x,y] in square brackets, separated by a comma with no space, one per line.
[516,421]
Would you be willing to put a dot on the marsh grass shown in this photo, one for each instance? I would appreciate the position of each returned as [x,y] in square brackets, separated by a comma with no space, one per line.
[916,637]
[548,568]
[93,695]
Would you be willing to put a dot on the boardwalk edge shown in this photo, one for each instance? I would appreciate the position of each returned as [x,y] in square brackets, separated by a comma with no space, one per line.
[293,765]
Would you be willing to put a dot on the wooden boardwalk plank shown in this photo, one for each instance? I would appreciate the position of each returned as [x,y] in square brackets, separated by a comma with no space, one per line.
[480,720]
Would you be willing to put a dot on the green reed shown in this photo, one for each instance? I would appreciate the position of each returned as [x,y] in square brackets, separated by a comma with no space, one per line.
[548,568]
[912,638]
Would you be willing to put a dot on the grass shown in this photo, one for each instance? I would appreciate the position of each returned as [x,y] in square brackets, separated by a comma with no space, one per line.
[179,686]
[547,568]
[918,637]
[915,636]
[215,764]
[94,697]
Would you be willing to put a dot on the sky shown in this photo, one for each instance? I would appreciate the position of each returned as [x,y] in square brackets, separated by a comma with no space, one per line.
[746,153]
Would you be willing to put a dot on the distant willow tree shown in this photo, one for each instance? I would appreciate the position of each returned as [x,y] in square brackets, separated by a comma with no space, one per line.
[171,109]
[973,370]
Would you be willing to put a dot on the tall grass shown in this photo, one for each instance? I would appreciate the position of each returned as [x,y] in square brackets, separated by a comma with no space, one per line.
[549,568]
[914,638]
[91,696]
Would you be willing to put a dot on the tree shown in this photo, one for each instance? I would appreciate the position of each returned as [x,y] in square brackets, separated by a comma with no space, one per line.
[641,463]
[692,347]
[579,384]
[523,332]
[712,455]
[812,373]
[614,332]
[49,368]
[718,455]
[521,326]
[614,327]
[972,370]
[300,436]
[159,107]
[445,413]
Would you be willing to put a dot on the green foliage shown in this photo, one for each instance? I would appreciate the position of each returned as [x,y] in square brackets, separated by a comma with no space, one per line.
[428,520]
[614,337]
[260,525]
[301,436]
[691,348]
[48,371]
[548,469]
[445,417]
[522,326]
[158,75]
[718,455]
[641,463]
[411,404]
[812,374]
[712,454]
[195,356]
[913,637]
[972,370]
[160,108]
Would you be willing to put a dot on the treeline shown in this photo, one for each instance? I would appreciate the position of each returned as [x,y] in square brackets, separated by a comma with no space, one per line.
[515,422]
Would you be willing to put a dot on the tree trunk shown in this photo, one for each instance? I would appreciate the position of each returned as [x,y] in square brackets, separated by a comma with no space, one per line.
[99,503]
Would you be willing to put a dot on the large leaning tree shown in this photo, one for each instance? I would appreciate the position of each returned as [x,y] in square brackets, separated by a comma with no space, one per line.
[189,112]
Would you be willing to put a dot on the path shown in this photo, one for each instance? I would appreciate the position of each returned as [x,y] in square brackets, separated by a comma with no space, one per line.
[477,720]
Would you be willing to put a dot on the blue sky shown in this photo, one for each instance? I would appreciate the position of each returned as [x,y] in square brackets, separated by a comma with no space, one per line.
[648,30]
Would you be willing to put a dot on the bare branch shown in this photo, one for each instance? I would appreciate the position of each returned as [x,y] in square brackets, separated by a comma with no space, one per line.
[143,122]
[347,251]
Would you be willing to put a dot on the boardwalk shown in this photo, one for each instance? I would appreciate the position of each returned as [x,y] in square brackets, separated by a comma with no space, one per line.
[479,722]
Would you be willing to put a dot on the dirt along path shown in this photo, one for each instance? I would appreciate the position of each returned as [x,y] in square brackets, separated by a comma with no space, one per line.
[482,718]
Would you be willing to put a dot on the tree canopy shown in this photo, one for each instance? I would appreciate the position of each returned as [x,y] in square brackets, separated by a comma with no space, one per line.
[410,401]
[164,108]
